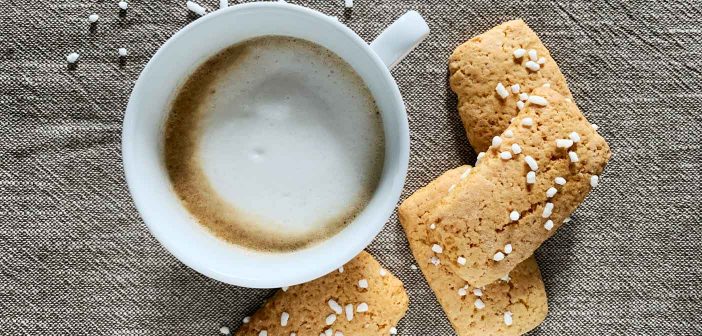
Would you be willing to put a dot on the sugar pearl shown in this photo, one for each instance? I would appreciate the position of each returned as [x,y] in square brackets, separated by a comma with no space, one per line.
[573,156]
[531,177]
[519,53]
[508,248]
[330,319]
[505,155]
[508,134]
[514,215]
[516,149]
[362,307]
[548,225]
[551,192]
[496,141]
[594,181]
[533,55]
[548,210]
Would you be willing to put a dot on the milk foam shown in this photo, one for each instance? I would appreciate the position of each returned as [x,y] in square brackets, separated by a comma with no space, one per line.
[290,137]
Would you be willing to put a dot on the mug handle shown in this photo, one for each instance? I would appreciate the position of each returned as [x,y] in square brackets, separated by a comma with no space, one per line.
[401,37]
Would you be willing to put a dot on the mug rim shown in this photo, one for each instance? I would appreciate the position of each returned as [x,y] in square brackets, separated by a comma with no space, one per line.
[355,244]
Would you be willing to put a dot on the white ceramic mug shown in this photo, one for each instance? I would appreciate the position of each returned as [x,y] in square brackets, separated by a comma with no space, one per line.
[142,139]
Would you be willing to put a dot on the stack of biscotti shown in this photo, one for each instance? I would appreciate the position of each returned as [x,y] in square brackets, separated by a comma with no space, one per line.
[474,231]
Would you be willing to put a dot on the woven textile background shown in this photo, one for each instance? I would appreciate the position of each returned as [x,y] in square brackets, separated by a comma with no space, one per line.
[76,259]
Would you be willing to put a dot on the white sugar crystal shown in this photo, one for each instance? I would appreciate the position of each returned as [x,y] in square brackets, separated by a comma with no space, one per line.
[564,143]
[478,292]
[516,149]
[538,100]
[520,105]
[72,57]
[480,156]
[508,318]
[573,156]
[499,256]
[263,333]
[284,319]
[338,333]
[548,225]
[527,122]
[541,60]
[551,192]
[432,226]
[508,248]
[349,312]
[451,188]
[574,136]
[523,96]
[531,162]
[393,331]
[437,248]
[196,8]
[223,4]
[461,260]
[502,91]
[594,181]
[382,272]
[567,220]
[362,307]
[224,330]
[505,155]
[363,283]
[505,278]
[435,261]
[331,318]
[123,5]
[122,52]
[514,215]
[462,292]
[548,210]
[515,88]
[496,141]
[547,85]
[508,134]
[341,269]
[560,181]
[533,55]
[595,127]
[531,177]
[348,3]
[246,319]
[519,53]
[413,266]
[328,332]
[479,304]
[293,334]
[93,18]
[465,173]
[335,306]
[285,289]
[533,66]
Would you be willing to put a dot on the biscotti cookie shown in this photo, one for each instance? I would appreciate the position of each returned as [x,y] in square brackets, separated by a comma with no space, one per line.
[361,298]
[532,178]
[510,56]
[510,306]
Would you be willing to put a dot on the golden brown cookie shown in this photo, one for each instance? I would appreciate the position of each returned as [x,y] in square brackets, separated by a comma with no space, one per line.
[479,65]
[364,299]
[495,218]
[521,296]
